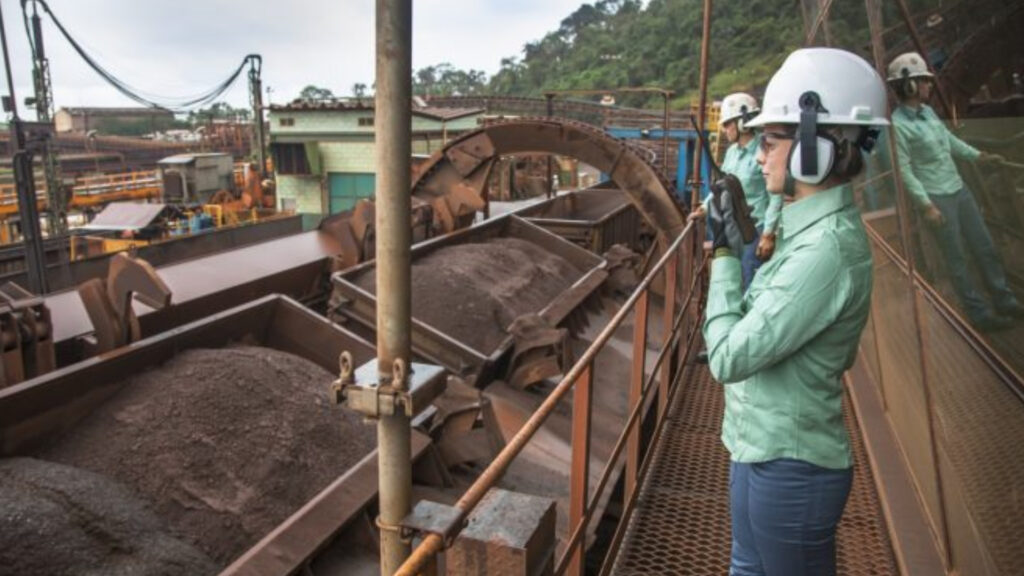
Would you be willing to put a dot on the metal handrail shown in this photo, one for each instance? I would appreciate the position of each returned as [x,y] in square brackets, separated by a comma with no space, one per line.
[580,373]
[627,431]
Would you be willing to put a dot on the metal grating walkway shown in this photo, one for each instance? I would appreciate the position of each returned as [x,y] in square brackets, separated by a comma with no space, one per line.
[681,522]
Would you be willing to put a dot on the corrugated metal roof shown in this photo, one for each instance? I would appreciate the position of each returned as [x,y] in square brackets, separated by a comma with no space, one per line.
[336,104]
[189,158]
[126,111]
[125,216]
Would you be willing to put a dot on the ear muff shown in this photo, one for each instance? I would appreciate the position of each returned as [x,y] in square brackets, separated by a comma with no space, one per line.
[824,157]
[745,116]
[906,87]
[812,156]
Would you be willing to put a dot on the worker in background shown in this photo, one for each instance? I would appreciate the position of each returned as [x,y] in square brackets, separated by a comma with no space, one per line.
[781,347]
[740,161]
[926,152]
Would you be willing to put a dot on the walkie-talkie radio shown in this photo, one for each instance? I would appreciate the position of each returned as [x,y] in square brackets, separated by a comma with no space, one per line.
[729,182]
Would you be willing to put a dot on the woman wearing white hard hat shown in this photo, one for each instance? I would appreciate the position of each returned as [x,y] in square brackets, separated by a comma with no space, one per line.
[927,150]
[781,347]
[740,161]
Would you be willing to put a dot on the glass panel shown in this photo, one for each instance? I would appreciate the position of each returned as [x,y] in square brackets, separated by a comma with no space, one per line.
[979,434]
[869,350]
[902,384]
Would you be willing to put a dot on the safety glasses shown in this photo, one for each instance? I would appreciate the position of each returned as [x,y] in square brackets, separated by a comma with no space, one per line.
[770,141]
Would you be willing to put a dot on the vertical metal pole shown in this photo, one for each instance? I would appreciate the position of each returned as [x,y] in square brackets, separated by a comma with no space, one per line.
[671,280]
[28,210]
[664,135]
[903,210]
[256,95]
[393,220]
[551,112]
[705,47]
[579,474]
[44,113]
[874,11]
[636,390]
[824,24]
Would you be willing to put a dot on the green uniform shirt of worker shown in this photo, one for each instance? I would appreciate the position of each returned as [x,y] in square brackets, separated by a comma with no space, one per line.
[926,149]
[781,348]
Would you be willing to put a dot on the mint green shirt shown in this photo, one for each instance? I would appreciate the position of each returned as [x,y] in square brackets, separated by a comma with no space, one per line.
[741,161]
[781,348]
[926,152]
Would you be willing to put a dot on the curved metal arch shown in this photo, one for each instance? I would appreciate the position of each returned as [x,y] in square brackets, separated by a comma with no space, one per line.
[456,175]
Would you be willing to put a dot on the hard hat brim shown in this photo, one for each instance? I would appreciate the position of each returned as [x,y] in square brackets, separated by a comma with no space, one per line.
[911,76]
[823,120]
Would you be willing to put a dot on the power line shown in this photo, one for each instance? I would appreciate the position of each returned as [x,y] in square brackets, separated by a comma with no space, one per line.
[179,104]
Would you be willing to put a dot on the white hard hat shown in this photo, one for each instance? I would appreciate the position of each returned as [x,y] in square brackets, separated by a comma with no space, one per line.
[738,105]
[848,90]
[909,65]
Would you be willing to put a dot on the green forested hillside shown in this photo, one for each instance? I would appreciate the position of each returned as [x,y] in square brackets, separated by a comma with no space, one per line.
[619,43]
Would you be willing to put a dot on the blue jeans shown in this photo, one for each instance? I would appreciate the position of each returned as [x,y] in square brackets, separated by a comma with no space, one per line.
[964,224]
[784,517]
[749,262]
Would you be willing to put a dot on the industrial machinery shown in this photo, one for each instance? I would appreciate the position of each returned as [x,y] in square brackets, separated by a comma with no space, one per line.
[195,178]
[465,428]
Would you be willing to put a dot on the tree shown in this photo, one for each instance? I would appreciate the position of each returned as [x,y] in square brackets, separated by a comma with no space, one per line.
[219,111]
[313,93]
[446,80]
[359,90]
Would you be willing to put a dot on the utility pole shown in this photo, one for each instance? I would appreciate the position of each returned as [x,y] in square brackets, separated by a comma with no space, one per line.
[256,99]
[44,114]
[393,115]
[35,263]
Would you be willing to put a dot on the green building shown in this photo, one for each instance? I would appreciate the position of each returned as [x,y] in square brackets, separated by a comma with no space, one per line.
[324,150]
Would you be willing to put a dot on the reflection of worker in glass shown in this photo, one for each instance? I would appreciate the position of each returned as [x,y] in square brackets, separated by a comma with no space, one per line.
[926,152]
[781,348]
[740,162]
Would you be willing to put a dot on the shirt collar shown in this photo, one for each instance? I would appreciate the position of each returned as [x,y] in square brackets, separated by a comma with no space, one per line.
[751,146]
[913,113]
[798,216]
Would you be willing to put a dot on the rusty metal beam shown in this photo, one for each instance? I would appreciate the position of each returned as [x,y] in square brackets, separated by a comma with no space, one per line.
[579,475]
[636,389]
[671,277]
[705,49]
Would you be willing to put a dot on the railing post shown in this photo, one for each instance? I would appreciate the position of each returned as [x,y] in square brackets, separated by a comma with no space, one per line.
[671,277]
[579,475]
[636,389]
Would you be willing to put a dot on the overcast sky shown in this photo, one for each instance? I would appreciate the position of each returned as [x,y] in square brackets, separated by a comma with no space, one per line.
[184,47]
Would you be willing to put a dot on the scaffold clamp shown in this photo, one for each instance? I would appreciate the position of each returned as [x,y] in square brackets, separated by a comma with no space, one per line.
[373,394]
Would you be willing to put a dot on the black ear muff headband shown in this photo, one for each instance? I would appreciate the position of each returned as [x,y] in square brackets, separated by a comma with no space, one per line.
[810,105]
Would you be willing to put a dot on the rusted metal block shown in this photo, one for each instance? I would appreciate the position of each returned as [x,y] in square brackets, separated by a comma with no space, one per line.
[508,534]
